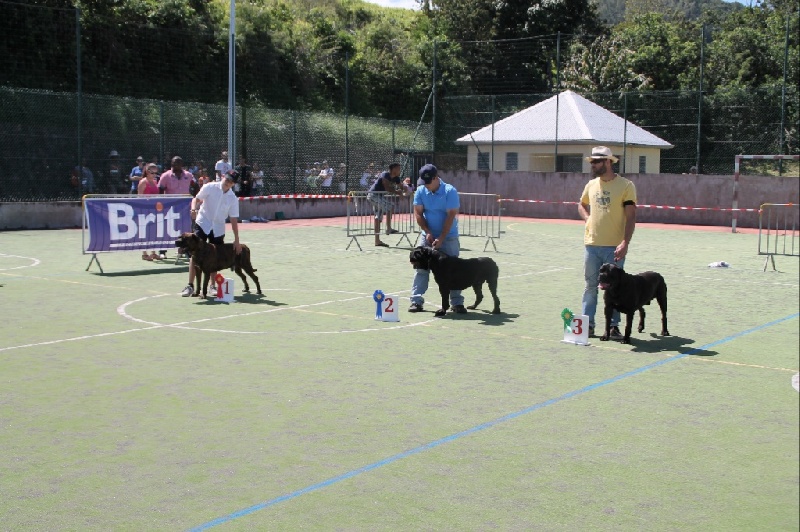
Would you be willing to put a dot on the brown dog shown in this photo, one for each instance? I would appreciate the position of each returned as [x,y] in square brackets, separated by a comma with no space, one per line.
[208,259]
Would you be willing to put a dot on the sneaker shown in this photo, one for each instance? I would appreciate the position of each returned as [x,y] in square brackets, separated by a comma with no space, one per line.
[459,309]
[615,334]
[415,307]
[591,331]
[188,291]
[163,256]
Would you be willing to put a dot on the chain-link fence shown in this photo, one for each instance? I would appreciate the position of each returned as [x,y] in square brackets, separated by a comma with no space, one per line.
[72,94]
[47,136]
[80,102]
[707,132]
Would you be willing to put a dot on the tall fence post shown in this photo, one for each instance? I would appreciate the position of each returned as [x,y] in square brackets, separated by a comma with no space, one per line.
[491,166]
[79,89]
[433,109]
[624,165]
[700,98]
[346,118]
[783,93]
[294,151]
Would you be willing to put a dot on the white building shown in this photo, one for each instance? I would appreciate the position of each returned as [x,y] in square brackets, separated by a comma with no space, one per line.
[526,141]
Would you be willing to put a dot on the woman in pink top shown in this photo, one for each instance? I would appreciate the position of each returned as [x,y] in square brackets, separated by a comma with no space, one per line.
[149,185]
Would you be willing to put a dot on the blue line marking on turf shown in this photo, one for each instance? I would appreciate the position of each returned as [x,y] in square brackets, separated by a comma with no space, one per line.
[478,428]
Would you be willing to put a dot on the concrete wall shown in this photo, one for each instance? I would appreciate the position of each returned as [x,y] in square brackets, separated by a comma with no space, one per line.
[655,189]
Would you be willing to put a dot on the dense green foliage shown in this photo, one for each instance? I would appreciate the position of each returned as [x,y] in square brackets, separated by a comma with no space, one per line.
[331,54]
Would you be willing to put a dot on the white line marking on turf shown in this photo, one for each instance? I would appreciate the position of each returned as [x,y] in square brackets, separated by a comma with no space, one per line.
[35,261]
[122,311]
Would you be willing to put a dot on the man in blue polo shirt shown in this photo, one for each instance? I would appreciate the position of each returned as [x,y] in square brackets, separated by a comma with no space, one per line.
[436,210]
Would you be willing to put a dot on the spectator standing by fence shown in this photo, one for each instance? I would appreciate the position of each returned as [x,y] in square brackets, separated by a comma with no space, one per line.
[149,186]
[386,185]
[176,180]
[137,173]
[222,167]
[83,179]
[245,172]
[608,206]
[116,180]
[367,176]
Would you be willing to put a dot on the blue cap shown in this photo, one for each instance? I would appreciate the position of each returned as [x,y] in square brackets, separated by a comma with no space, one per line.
[427,173]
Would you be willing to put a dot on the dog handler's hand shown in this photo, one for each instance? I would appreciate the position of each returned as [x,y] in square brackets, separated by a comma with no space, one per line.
[621,251]
[237,247]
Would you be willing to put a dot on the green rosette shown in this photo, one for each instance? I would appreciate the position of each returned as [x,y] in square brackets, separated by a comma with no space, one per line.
[567,316]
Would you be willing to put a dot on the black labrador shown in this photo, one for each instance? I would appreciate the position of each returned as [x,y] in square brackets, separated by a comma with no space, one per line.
[628,293]
[453,273]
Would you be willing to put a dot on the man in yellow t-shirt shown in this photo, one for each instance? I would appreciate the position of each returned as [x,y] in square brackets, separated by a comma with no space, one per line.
[608,206]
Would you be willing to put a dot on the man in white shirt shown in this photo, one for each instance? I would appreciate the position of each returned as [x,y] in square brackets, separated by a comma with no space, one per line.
[223,166]
[216,203]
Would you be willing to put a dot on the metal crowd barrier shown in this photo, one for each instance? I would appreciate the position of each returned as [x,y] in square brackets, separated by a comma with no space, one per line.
[778,231]
[479,216]
[361,217]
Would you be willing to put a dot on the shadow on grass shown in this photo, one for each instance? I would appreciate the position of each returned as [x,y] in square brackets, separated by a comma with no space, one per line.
[484,316]
[136,273]
[248,299]
[673,344]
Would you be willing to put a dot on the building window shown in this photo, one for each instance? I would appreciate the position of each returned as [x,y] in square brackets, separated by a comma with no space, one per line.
[512,161]
[569,163]
[642,164]
[483,161]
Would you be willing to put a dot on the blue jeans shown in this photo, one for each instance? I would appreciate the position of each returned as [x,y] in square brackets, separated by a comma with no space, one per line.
[450,247]
[593,258]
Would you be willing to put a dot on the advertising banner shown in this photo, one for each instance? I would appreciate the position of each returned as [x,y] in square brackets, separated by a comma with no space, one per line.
[124,223]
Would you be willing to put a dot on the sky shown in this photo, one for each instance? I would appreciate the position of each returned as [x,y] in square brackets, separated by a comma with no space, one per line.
[408,4]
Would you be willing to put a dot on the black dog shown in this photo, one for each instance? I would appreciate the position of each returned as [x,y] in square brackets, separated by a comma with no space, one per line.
[628,293]
[452,273]
[208,259]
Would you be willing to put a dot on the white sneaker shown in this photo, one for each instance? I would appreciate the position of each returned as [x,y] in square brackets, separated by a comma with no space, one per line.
[188,291]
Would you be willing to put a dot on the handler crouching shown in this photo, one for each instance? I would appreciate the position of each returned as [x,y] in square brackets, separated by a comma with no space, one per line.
[216,202]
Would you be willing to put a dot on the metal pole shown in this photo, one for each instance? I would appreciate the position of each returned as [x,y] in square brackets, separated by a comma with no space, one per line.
[491,166]
[79,94]
[294,151]
[433,109]
[558,61]
[783,92]
[232,85]
[623,166]
[346,117]
[700,97]
[558,98]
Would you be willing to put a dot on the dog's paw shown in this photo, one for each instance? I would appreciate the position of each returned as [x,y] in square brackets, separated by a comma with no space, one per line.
[604,338]
[665,333]
[439,313]
[472,307]
[640,329]
[626,340]
[196,295]
[497,311]
[246,291]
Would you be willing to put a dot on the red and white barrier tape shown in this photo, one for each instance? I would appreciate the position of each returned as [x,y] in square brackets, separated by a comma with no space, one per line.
[295,196]
[662,207]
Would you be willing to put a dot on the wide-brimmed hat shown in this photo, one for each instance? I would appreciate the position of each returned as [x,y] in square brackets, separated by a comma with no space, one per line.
[601,152]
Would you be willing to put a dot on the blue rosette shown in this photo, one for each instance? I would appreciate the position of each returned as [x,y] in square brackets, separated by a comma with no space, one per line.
[378,298]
